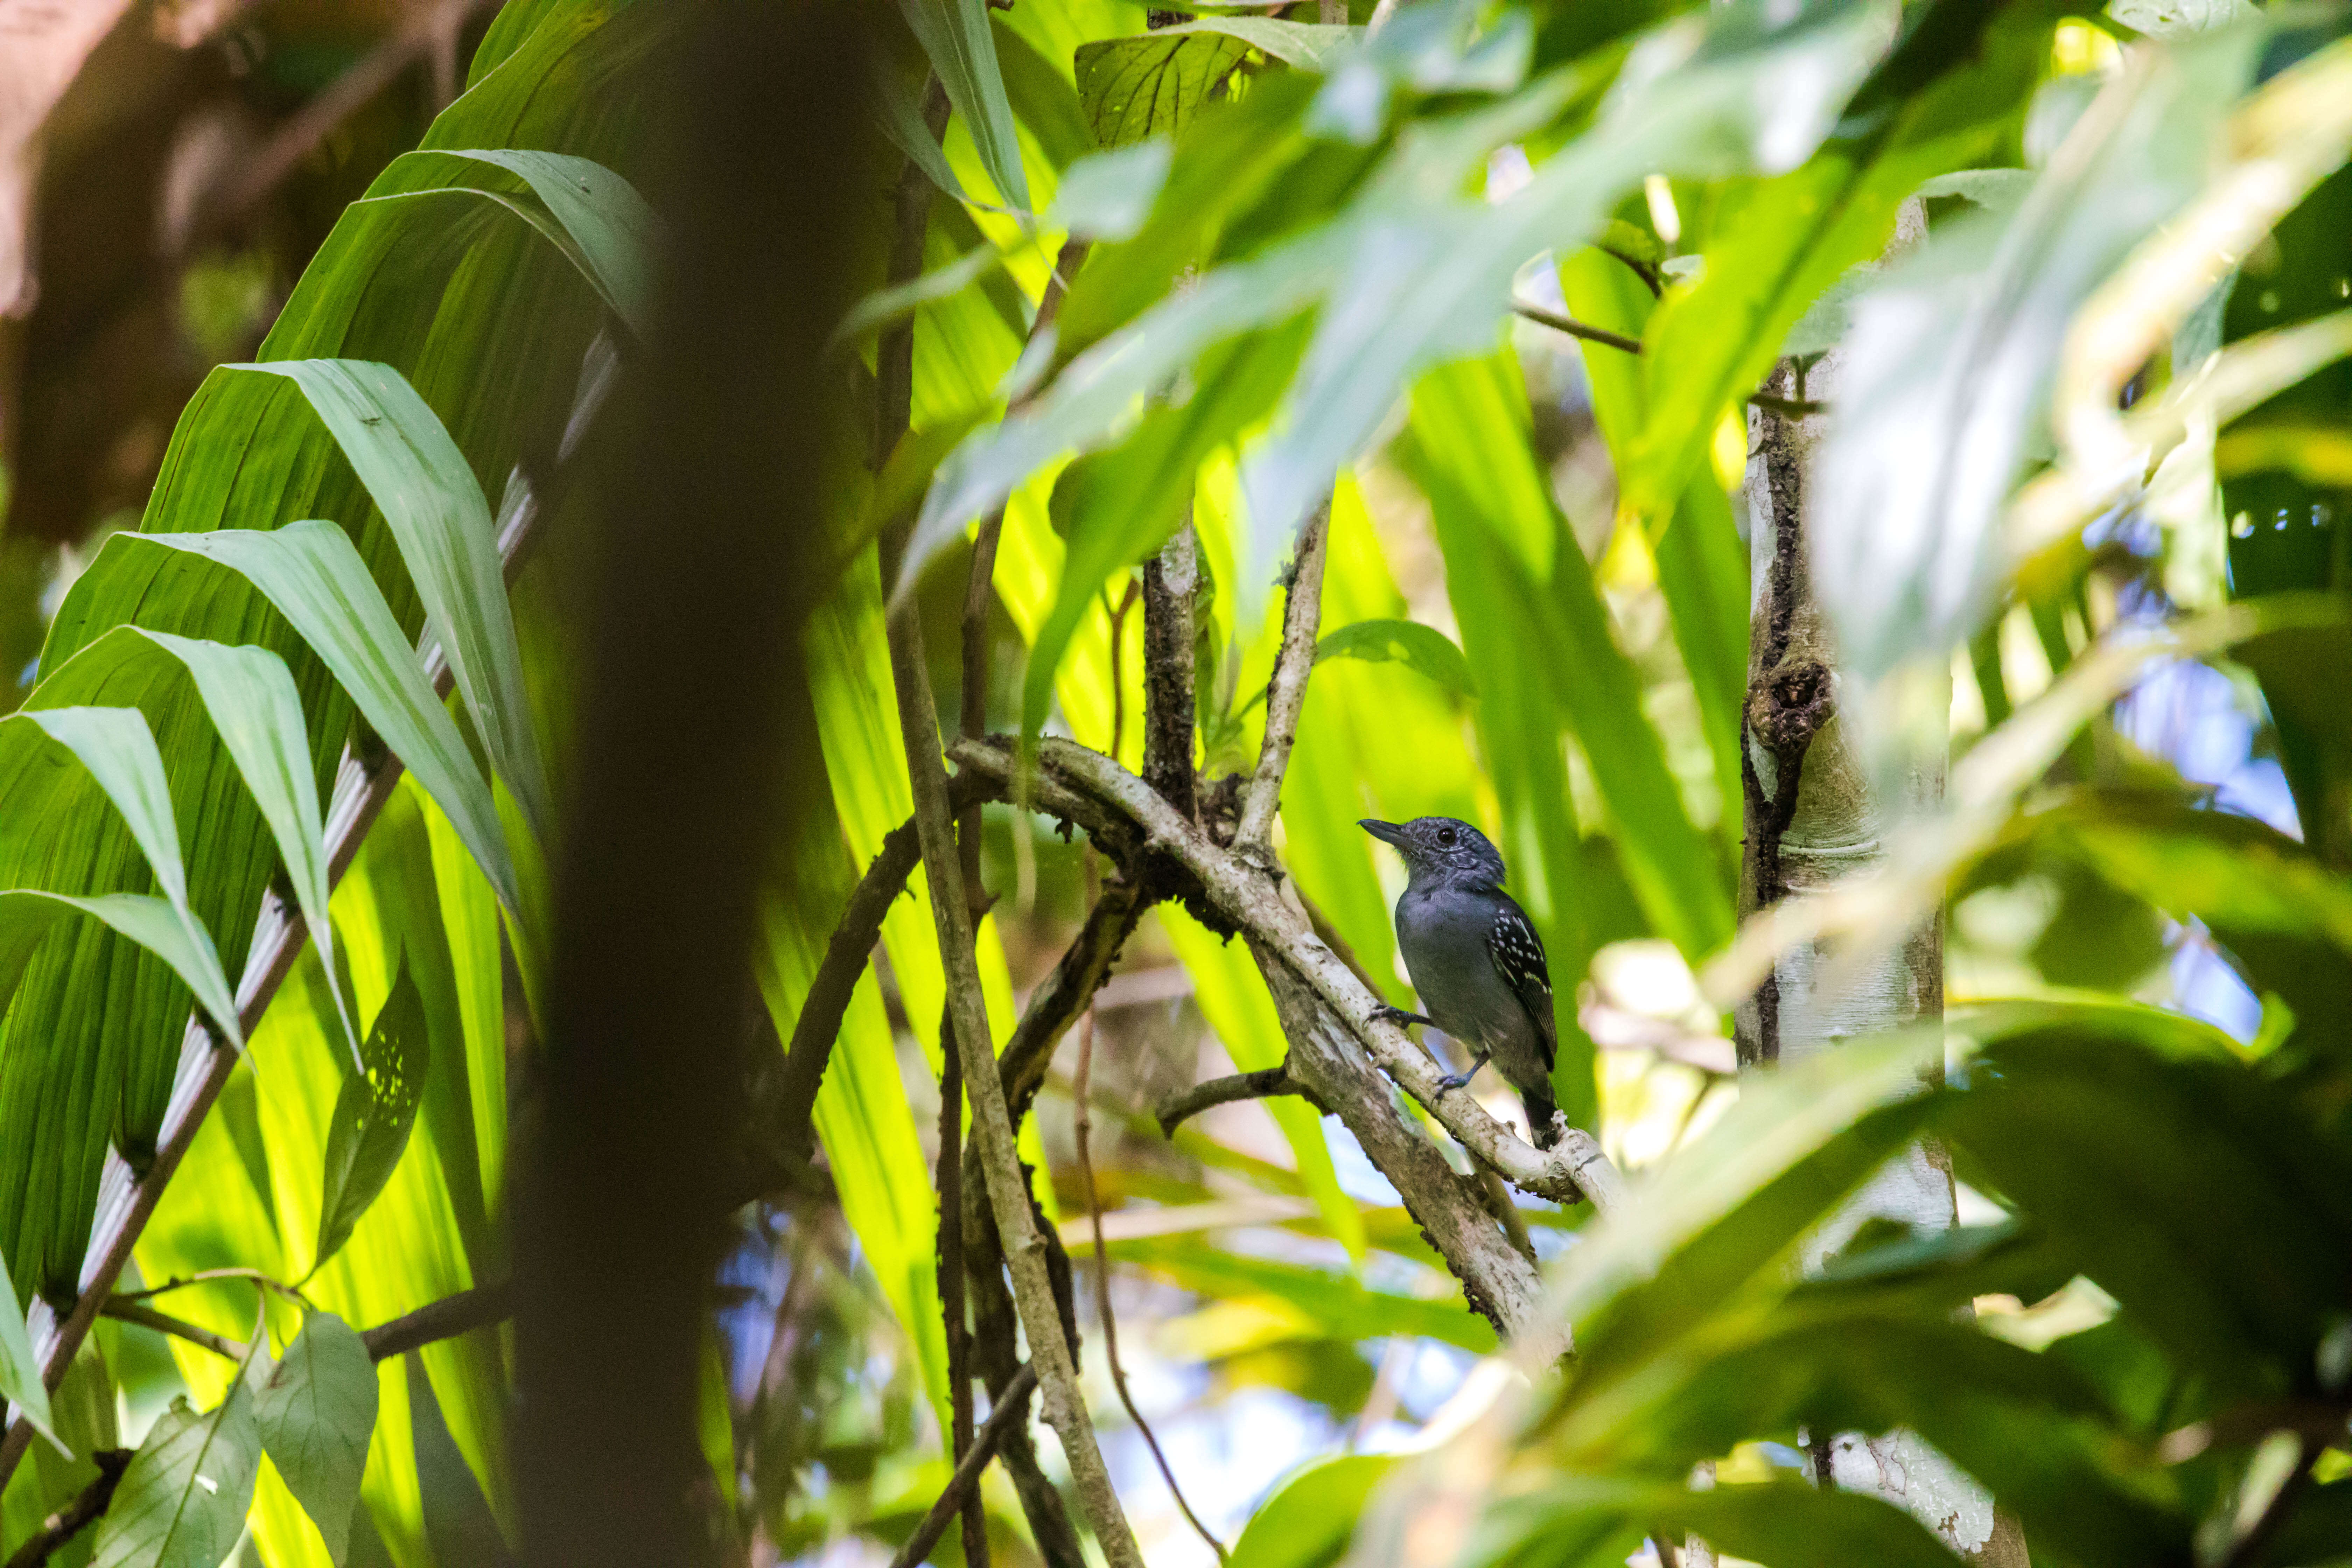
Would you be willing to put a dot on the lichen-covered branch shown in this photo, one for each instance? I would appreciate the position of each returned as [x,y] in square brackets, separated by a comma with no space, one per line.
[1340,1045]
[1285,691]
[1008,1193]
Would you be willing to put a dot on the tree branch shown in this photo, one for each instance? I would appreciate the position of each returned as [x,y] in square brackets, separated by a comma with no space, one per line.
[147,1317]
[1008,1193]
[1011,1407]
[1543,316]
[127,1197]
[1263,1084]
[1086,785]
[70,1521]
[443,1319]
[1285,691]
[846,954]
[1171,581]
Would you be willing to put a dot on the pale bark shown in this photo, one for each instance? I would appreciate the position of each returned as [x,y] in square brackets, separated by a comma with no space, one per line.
[1814,820]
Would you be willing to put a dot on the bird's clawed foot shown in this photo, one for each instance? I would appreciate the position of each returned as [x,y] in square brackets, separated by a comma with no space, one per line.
[1455,1080]
[1399,1016]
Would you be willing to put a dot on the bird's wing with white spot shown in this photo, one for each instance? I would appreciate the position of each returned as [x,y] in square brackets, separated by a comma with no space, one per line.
[1518,954]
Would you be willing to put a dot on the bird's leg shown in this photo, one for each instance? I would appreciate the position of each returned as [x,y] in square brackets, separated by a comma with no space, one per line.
[1399,1016]
[1453,1081]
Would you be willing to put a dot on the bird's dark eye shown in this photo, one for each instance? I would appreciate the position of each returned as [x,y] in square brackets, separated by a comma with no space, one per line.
[1445,836]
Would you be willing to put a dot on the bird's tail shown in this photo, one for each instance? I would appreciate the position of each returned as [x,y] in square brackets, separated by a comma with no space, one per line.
[1543,1116]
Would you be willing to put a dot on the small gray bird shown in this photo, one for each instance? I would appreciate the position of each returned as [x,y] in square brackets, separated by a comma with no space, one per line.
[1476,960]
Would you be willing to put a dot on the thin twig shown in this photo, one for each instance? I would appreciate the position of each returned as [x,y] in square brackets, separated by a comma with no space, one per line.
[70,1521]
[126,1199]
[1011,1407]
[1786,408]
[443,1319]
[1544,316]
[1085,1127]
[1263,1084]
[1285,691]
[182,1281]
[179,1328]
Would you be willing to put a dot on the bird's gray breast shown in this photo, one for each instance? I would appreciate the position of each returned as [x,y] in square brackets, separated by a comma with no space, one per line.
[1442,933]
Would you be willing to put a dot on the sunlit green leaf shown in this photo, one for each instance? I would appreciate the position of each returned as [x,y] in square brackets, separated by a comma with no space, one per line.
[374,1114]
[316,1414]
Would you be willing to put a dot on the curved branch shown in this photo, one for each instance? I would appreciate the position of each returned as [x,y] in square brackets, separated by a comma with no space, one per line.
[846,954]
[1263,1084]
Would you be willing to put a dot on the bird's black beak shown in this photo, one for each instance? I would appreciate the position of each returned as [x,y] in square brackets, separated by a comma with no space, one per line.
[1388,832]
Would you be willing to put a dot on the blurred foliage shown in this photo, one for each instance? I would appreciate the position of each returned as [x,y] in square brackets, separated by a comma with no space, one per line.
[1535,618]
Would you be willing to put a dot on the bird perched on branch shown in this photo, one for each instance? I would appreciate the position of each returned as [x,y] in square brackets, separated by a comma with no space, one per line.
[1476,960]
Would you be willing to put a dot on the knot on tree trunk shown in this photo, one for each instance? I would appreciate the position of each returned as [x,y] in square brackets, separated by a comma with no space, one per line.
[1788,708]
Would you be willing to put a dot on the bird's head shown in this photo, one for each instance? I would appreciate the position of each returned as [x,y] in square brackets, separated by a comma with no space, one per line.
[1441,849]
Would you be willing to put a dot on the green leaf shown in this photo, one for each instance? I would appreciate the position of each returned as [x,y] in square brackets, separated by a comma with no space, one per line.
[439,518]
[901,117]
[1490,489]
[1951,353]
[1109,195]
[1776,246]
[314,577]
[886,307]
[1339,1305]
[1043,96]
[601,223]
[1702,561]
[374,1114]
[1118,507]
[1787,1524]
[1132,89]
[1311,1517]
[316,1413]
[21,1384]
[161,928]
[1421,649]
[183,1501]
[2223,1257]
[961,45]
[258,713]
[118,749]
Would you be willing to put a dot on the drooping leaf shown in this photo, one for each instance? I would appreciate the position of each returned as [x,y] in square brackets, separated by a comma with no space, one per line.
[312,574]
[315,1415]
[374,1114]
[118,749]
[1133,89]
[20,1374]
[1424,650]
[421,482]
[1951,353]
[253,704]
[1776,245]
[961,45]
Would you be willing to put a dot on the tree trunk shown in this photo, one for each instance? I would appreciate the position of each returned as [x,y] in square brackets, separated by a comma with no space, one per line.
[1811,821]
